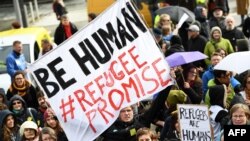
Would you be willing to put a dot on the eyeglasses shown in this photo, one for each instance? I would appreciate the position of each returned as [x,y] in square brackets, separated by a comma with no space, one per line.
[14,103]
[239,116]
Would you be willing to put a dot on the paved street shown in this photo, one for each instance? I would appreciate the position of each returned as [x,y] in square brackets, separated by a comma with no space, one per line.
[77,13]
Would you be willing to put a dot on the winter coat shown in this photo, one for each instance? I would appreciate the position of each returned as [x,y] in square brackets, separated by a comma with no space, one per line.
[230,95]
[28,93]
[213,44]
[233,36]
[242,6]
[208,75]
[218,111]
[15,62]
[122,131]
[25,114]
[217,22]
[60,34]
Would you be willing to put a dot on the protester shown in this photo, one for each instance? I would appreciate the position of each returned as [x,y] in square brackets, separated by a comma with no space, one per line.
[240,115]
[8,126]
[191,83]
[216,41]
[175,45]
[21,111]
[174,97]
[218,111]
[64,30]
[209,74]
[213,4]
[29,131]
[200,13]
[15,60]
[125,127]
[22,87]
[146,134]
[221,77]
[59,8]
[217,19]
[222,52]
[48,134]
[196,42]
[46,47]
[231,32]
[246,90]
[43,106]
[50,120]
[174,131]
[3,98]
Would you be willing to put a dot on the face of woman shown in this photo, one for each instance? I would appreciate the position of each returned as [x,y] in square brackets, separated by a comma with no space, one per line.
[216,35]
[10,121]
[47,137]
[239,117]
[29,133]
[19,80]
[17,105]
[248,83]
[192,74]
[51,122]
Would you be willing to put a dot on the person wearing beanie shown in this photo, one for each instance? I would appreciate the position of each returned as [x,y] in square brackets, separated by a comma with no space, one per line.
[8,126]
[29,131]
[216,41]
[50,120]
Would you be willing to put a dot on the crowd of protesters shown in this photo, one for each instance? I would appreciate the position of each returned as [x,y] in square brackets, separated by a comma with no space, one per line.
[26,115]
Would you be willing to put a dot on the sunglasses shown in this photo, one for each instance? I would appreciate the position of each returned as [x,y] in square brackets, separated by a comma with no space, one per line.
[14,103]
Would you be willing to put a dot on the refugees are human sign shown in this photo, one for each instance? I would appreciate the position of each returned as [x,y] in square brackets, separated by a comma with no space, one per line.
[111,63]
[194,122]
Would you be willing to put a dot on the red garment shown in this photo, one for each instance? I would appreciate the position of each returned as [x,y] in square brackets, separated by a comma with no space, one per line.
[67,30]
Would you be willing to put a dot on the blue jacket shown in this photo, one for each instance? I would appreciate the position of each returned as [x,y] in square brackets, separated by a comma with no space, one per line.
[208,75]
[14,63]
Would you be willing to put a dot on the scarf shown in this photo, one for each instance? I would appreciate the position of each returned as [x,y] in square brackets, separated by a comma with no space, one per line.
[67,29]
[20,90]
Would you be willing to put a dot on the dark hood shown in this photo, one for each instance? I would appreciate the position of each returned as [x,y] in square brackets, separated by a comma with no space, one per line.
[2,93]
[16,97]
[3,115]
[218,95]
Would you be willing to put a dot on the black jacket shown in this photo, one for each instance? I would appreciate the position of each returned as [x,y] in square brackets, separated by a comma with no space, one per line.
[25,114]
[122,131]
[232,36]
[60,34]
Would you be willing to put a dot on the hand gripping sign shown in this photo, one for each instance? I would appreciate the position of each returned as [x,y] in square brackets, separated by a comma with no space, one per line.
[111,63]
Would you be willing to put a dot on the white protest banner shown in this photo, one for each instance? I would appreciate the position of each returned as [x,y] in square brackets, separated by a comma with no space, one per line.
[111,63]
[194,122]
